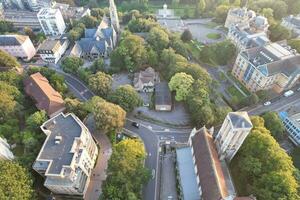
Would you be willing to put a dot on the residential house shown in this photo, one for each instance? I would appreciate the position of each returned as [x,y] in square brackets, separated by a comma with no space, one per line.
[51,21]
[21,19]
[67,156]
[71,13]
[51,50]
[98,42]
[239,16]
[272,66]
[19,46]
[163,98]
[291,123]
[46,98]
[5,152]
[144,81]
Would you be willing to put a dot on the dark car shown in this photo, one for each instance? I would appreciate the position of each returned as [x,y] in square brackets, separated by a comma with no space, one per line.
[135,124]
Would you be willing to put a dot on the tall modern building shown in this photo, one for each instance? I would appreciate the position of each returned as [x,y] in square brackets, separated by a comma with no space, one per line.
[5,153]
[67,156]
[234,130]
[51,21]
[291,123]
[114,19]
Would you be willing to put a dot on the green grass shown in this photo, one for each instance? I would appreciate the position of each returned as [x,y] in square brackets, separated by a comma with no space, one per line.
[241,86]
[235,92]
[211,24]
[213,36]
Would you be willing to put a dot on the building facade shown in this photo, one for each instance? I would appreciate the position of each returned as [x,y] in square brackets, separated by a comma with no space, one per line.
[272,66]
[234,130]
[5,153]
[67,156]
[51,21]
[292,126]
[52,50]
[239,16]
[19,46]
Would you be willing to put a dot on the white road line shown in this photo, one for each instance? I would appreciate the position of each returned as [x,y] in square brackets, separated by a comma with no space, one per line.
[68,83]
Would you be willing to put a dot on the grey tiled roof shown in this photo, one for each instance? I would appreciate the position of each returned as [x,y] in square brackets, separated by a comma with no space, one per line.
[66,127]
[162,94]
[87,44]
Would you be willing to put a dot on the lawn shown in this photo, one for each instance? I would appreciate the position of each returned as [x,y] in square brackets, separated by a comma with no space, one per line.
[242,87]
[194,47]
[234,92]
[214,36]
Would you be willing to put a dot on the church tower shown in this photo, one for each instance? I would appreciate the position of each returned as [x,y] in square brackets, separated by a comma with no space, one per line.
[114,15]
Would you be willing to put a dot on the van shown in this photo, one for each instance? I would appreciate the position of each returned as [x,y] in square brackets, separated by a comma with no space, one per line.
[288,93]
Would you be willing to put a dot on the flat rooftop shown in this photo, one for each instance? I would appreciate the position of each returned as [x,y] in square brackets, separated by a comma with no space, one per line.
[68,128]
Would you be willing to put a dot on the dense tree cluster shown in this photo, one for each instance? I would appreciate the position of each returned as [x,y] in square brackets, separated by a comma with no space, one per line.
[263,167]
[6,27]
[181,83]
[15,182]
[141,25]
[126,97]
[100,83]
[6,60]
[274,124]
[126,171]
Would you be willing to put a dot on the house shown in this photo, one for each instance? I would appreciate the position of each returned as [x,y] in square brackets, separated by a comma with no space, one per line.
[46,98]
[67,156]
[163,98]
[51,50]
[145,80]
[22,18]
[51,21]
[71,13]
[19,46]
[291,122]
[292,23]
[98,42]
[5,152]
[239,16]
[272,66]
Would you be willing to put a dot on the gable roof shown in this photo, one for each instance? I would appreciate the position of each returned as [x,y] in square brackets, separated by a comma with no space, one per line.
[87,44]
[209,169]
[38,87]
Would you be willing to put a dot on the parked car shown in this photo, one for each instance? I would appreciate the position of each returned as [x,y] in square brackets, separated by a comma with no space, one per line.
[288,93]
[267,103]
[135,124]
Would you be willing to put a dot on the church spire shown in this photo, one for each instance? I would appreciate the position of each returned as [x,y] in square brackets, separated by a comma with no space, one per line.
[114,15]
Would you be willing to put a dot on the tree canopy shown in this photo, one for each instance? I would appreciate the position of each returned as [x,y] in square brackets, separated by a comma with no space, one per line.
[126,171]
[15,182]
[266,167]
[181,83]
[6,60]
[158,39]
[100,83]
[126,97]
[274,124]
[71,64]
[186,36]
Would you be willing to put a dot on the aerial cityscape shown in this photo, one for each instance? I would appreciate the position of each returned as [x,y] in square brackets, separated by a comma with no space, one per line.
[150,100]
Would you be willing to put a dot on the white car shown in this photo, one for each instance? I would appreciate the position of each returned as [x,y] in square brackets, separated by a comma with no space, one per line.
[298,89]
[288,93]
[267,103]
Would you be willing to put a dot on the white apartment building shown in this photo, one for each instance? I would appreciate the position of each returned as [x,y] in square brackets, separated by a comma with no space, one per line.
[5,153]
[51,21]
[19,46]
[52,50]
[234,130]
[67,156]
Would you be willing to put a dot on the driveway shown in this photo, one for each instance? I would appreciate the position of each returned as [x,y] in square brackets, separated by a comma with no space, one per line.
[120,79]
[99,172]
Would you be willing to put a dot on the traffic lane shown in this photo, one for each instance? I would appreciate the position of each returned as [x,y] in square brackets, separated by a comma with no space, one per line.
[281,104]
[78,87]
[151,161]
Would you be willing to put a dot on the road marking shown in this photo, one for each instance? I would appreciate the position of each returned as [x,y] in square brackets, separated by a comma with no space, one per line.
[68,83]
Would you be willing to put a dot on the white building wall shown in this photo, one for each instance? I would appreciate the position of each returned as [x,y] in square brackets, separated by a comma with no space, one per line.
[5,153]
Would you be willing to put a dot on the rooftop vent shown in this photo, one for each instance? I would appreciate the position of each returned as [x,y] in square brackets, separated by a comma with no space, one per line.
[58,139]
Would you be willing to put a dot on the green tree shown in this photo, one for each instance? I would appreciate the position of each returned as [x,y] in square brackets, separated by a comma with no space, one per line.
[158,39]
[6,27]
[221,13]
[15,182]
[126,97]
[98,65]
[108,116]
[11,78]
[274,124]
[35,120]
[126,171]
[186,36]
[89,21]
[201,6]
[100,83]
[28,31]
[295,44]
[77,107]
[181,83]
[71,64]
[8,106]
[6,60]
[279,32]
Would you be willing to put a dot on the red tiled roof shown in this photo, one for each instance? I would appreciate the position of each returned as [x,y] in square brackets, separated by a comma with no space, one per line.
[209,170]
[38,87]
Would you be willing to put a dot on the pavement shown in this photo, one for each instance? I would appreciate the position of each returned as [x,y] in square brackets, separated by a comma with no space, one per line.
[99,171]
